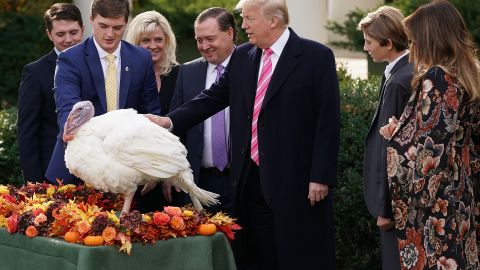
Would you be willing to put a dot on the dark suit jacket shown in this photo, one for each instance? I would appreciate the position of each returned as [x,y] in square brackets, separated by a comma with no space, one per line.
[79,76]
[392,100]
[190,82]
[298,138]
[167,88]
[37,120]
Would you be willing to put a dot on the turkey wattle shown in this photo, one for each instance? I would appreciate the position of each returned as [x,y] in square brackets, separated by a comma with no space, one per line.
[121,150]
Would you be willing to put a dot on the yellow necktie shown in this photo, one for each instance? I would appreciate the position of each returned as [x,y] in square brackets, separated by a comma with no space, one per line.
[111,83]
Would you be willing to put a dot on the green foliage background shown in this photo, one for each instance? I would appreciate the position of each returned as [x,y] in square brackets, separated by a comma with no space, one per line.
[470,10]
[357,234]
[22,40]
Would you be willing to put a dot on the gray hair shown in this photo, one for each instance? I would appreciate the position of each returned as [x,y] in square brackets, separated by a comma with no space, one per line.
[269,8]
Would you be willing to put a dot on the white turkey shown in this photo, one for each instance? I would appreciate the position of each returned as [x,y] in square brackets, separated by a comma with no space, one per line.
[120,150]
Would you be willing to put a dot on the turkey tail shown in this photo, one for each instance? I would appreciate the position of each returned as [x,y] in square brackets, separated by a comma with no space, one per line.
[199,196]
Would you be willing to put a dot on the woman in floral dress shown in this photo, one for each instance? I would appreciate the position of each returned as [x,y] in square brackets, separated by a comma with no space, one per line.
[432,154]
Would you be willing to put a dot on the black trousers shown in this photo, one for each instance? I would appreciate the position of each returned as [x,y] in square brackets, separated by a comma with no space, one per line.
[219,182]
[255,247]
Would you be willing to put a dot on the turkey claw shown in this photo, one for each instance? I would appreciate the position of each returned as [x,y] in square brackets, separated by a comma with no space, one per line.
[148,187]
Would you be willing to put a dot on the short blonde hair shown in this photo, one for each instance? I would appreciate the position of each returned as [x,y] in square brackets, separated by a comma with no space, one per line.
[269,7]
[146,22]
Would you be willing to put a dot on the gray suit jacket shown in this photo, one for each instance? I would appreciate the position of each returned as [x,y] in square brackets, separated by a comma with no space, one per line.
[394,94]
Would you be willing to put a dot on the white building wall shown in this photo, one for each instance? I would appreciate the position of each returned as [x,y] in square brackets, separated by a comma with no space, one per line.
[84,6]
[308,18]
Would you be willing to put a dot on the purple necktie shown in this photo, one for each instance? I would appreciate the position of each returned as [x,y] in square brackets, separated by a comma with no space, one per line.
[219,145]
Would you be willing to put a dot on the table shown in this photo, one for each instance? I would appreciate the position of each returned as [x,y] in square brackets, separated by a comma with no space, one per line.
[18,252]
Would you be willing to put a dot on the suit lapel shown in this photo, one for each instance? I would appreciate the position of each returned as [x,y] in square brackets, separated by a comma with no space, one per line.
[286,64]
[410,107]
[380,98]
[125,76]
[403,61]
[95,67]
[52,61]
[251,77]
[199,84]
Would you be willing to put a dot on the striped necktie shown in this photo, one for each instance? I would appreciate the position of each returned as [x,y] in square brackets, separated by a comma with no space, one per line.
[262,85]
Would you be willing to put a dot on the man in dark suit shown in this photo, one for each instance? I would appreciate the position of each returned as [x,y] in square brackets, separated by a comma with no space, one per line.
[37,120]
[109,72]
[283,95]
[385,40]
[215,34]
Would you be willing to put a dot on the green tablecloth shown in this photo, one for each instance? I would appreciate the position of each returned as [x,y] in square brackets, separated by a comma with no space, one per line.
[18,252]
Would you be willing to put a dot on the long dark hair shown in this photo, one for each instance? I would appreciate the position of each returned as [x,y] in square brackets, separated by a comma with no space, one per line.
[440,37]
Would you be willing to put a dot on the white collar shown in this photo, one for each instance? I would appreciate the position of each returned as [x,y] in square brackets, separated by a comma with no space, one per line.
[279,45]
[211,67]
[390,66]
[102,53]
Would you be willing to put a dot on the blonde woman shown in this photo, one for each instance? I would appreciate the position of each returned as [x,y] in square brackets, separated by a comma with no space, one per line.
[152,31]
[432,154]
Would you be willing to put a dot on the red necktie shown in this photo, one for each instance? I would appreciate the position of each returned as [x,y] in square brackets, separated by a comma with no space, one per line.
[262,85]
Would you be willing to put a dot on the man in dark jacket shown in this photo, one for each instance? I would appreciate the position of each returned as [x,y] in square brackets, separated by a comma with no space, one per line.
[37,120]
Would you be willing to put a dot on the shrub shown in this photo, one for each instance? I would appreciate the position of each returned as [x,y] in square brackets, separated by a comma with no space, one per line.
[9,161]
[357,234]
[22,40]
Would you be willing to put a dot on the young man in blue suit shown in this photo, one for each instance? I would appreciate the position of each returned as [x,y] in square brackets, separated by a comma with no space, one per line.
[215,34]
[284,125]
[82,71]
[37,120]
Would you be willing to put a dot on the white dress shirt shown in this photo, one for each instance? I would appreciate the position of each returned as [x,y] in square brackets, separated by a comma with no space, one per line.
[277,49]
[103,60]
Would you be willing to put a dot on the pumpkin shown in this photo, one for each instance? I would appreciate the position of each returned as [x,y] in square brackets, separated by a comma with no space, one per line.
[207,229]
[93,240]
[71,236]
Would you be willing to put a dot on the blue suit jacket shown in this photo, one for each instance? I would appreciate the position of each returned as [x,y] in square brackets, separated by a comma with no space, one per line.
[79,76]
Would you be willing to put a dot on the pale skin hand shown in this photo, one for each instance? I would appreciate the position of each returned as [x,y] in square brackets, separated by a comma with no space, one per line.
[164,122]
[317,192]
[387,130]
[384,224]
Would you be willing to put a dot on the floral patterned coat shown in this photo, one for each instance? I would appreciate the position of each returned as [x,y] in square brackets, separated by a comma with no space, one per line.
[432,166]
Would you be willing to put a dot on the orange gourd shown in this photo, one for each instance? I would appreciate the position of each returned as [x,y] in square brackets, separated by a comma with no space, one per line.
[207,229]
[93,240]
[71,236]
